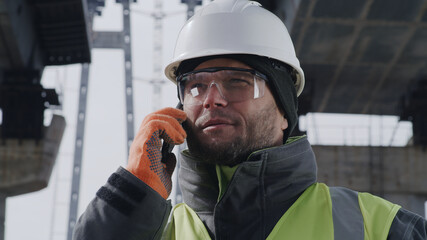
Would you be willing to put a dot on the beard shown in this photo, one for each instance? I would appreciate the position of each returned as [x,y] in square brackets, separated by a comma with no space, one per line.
[257,135]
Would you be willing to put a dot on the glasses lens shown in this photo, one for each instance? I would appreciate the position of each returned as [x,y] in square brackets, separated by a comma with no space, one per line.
[233,85]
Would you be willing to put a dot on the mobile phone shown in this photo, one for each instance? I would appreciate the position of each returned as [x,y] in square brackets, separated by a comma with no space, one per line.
[167,147]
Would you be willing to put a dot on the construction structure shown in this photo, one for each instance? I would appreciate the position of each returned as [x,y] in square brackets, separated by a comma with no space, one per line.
[34,34]
[359,57]
[115,40]
[365,57]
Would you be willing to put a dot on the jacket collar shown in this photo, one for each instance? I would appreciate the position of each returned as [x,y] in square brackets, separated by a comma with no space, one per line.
[263,187]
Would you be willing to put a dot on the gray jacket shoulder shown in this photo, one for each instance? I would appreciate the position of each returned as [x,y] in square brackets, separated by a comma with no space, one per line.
[408,226]
[124,208]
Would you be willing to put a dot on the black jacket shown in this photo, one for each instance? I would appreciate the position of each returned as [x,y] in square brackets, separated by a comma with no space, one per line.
[260,192]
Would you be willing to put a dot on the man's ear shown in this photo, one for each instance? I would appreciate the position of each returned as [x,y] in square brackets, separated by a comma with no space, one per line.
[284,124]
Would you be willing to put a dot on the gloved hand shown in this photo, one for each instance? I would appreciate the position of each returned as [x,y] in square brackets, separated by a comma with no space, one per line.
[145,152]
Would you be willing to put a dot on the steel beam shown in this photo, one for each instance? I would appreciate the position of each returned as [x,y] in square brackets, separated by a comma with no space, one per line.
[78,150]
[121,40]
[107,39]
[128,73]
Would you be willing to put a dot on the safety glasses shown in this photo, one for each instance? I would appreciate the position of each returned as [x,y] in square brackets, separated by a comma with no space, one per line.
[233,84]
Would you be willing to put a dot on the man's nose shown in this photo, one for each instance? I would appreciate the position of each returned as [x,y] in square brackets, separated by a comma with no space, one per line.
[214,97]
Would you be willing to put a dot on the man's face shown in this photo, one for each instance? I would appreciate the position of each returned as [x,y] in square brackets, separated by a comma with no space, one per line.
[225,133]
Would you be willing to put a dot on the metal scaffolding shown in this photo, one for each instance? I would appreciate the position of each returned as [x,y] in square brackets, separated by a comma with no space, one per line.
[158,80]
[118,40]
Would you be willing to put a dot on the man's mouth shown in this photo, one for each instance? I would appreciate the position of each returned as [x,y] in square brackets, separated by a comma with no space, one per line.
[216,124]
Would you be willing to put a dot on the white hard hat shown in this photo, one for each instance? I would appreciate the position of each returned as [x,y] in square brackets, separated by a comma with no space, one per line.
[235,27]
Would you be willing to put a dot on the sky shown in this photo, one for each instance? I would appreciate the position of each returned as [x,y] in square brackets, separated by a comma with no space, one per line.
[43,215]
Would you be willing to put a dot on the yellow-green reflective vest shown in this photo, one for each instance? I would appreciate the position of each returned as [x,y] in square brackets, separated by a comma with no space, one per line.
[319,213]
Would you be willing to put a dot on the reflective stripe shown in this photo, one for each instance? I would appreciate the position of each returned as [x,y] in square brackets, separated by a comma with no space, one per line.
[346,214]
[355,216]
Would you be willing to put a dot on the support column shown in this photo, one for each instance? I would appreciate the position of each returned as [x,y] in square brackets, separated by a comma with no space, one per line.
[395,173]
[78,150]
[128,74]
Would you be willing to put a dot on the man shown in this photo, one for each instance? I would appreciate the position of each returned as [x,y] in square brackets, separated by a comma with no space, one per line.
[242,177]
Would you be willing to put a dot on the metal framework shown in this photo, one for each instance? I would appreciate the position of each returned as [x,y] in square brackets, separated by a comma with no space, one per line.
[78,150]
[157,80]
[191,5]
[126,46]
[119,40]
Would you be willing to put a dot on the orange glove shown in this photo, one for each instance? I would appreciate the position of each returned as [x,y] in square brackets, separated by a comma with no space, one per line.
[145,157]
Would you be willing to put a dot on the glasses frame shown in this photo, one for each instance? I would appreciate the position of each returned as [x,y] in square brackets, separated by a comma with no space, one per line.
[216,69]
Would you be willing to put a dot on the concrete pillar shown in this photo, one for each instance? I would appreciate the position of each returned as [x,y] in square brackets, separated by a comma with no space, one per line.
[397,174]
[26,164]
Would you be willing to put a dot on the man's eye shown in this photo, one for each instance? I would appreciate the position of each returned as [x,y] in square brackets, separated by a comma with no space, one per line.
[239,82]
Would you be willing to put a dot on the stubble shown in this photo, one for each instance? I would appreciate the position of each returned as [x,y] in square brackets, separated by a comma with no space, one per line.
[257,135]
